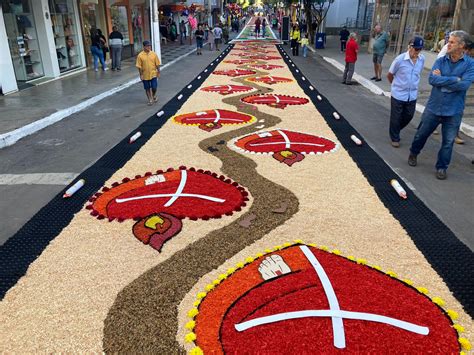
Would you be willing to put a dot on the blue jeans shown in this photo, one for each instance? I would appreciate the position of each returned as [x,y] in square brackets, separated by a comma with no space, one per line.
[449,129]
[98,55]
[305,50]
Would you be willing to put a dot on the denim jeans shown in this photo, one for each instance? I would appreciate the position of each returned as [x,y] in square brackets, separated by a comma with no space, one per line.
[98,55]
[449,129]
[305,50]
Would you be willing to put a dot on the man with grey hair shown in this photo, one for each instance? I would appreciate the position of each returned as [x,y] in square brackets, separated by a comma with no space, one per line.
[451,77]
[381,42]
[351,57]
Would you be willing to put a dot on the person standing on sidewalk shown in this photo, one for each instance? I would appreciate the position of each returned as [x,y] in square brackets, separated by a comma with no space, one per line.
[351,58]
[115,43]
[199,39]
[381,42]
[258,22]
[404,75]
[148,66]
[182,32]
[451,77]
[343,37]
[304,45]
[97,42]
[217,32]
[295,40]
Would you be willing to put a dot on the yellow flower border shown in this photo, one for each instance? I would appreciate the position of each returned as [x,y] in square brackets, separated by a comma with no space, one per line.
[193,312]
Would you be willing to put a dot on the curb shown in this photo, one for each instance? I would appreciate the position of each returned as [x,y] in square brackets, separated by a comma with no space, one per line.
[10,138]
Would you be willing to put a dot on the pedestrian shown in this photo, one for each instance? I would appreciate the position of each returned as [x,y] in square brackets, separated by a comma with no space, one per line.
[182,32]
[217,32]
[451,77]
[173,32]
[295,39]
[225,34]
[206,31]
[343,37]
[304,44]
[199,39]
[258,22]
[381,42]
[264,27]
[351,58]
[210,39]
[148,66]
[96,49]
[404,75]
[116,43]
[103,44]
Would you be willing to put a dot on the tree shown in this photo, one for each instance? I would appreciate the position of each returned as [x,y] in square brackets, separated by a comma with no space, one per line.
[316,10]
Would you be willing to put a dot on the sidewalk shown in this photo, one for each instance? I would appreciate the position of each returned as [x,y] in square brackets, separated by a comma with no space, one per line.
[364,71]
[29,110]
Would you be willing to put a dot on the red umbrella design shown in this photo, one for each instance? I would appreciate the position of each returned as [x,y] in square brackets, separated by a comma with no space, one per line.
[275,100]
[266,66]
[234,72]
[269,79]
[240,61]
[159,201]
[287,147]
[213,119]
[227,89]
[302,300]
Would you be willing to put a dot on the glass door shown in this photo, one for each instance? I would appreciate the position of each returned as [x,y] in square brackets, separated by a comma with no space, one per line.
[22,40]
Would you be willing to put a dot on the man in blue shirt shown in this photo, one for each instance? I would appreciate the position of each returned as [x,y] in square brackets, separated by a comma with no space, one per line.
[404,75]
[451,77]
[381,42]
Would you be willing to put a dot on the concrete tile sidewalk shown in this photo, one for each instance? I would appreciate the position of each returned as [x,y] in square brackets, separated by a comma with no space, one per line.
[364,71]
[29,110]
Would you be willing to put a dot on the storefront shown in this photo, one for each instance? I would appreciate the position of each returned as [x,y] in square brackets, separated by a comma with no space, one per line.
[92,14]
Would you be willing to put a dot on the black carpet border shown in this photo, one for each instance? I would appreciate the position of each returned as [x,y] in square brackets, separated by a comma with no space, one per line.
[25,246]
[448,256]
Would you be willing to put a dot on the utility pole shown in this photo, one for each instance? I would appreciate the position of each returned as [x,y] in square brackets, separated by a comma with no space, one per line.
[155,28]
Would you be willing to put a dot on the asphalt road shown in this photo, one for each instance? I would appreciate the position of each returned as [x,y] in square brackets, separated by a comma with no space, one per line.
[72,145]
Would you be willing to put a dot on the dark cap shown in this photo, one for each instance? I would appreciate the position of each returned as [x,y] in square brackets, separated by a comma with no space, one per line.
[417,42]
[146,43]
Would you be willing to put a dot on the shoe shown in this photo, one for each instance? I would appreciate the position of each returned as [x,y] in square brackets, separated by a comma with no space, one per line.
[395,144]
[378,79]
[113,69]
[412,160]
[119,69]
[458,140]
[349,83]
[155,99]
[441,174]
[373,78]
[150,103]
[96,69]
[105,69]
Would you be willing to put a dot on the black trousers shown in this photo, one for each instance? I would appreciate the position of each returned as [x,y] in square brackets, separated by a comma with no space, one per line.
[295,46]
[343,45]
[401,113]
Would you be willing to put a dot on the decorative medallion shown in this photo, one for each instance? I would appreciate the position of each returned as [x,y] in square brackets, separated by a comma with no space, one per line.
[263,57]
[239,61]
[275,100]
[210,120]
[234,72]
[287,147]
[227,89]
[269,79]
[303,300]
[158,202]
[266,66]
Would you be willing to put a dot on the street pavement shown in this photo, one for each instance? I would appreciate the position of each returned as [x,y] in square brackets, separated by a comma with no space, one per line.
[68,147]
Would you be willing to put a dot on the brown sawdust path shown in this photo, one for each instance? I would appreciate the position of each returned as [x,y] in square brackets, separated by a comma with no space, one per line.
[144,317]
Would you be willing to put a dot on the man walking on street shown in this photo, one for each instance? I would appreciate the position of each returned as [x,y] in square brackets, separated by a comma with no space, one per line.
[217,31]
[451,77]
[404,75]
[148,66]
[351,59]
[381,42]
[115,43]
[343,36]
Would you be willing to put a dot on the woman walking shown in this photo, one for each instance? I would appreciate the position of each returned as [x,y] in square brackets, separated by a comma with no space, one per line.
[96,49]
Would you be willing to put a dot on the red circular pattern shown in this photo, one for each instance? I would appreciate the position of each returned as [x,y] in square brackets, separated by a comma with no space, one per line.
[278,140]
[240,61]
[245,295]
[227,89]
[223,117]
[234,72]
[201,194]
[275,100]
[269,79]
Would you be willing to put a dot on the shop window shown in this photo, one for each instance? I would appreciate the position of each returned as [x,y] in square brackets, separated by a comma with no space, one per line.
[65,30]
[22,39]
[120,19]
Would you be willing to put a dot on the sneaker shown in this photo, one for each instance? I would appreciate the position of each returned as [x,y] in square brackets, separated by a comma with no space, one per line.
[349,83]
[395,144]
[150,103]
[105,69]
[373,78]
[441,174]
[412,160]
[378,79]
[458,140]
[96,69]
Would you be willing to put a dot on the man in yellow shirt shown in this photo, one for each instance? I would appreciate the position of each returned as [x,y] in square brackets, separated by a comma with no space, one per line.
[148,66]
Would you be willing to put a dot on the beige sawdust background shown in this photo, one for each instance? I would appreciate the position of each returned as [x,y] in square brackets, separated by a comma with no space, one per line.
[61,303]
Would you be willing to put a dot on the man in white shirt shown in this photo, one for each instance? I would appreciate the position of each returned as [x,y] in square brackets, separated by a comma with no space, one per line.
[217,31]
